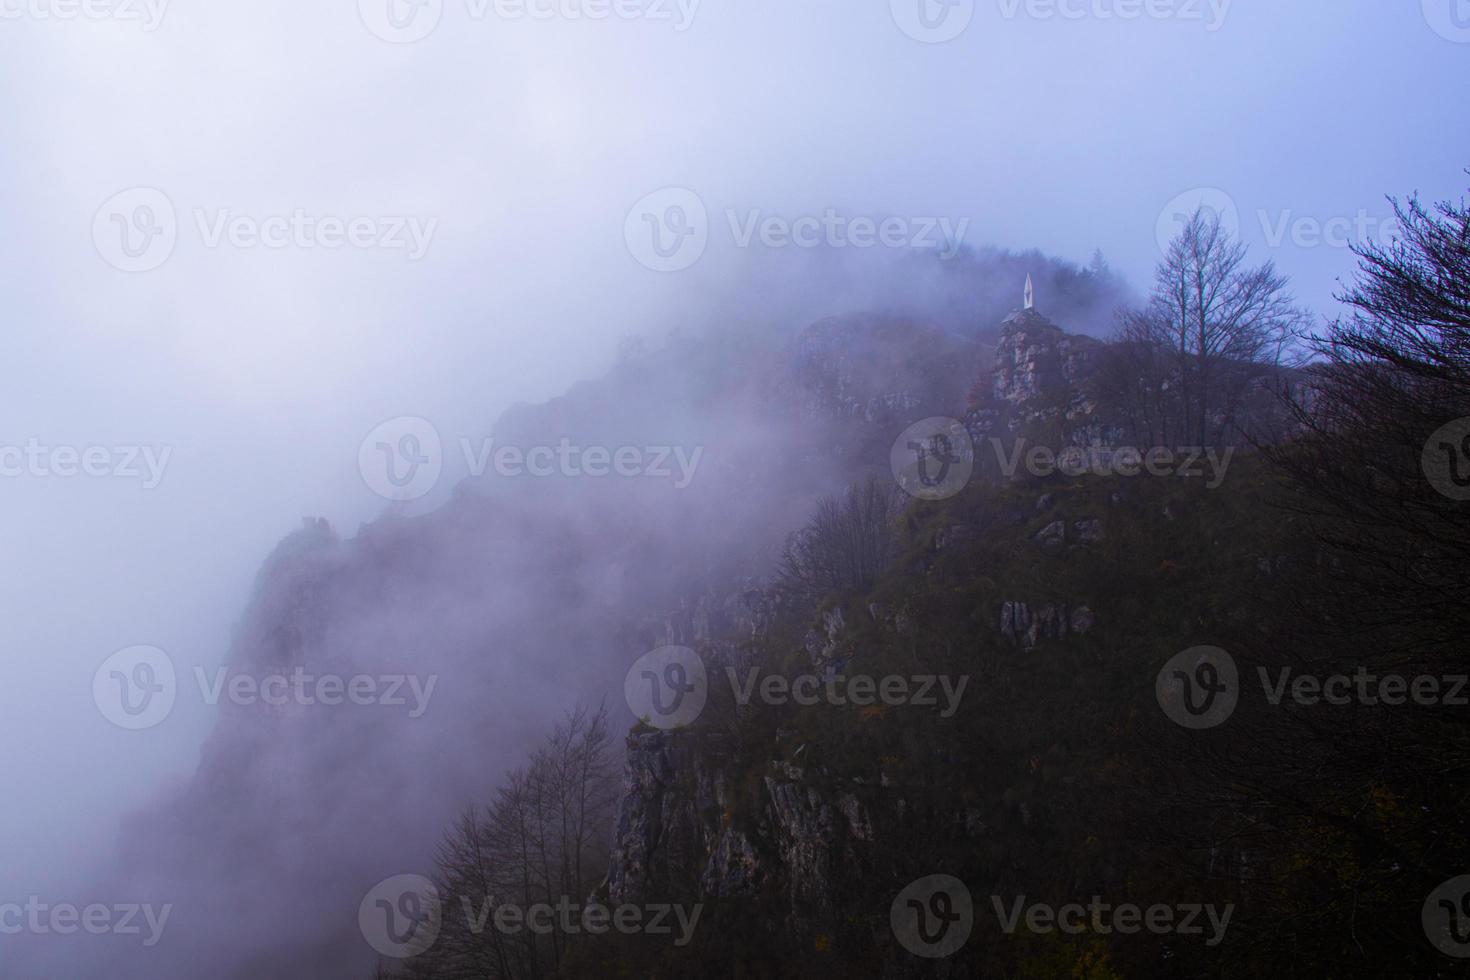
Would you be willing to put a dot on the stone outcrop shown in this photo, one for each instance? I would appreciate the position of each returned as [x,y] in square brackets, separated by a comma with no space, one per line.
[822,639]
[1036,361]
[1055,536]
[1042,375]
[1030,626]
[801,834]
[875,370]
[1089,531]
[670,838]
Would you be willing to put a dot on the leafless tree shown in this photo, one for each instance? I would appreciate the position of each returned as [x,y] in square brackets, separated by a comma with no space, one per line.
[1331,813]
[847,544]
[545,837]
[1210,324]
[1391,375]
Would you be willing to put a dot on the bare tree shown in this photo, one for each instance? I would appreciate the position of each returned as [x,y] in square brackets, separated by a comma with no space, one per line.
[1364,809]
[545,837]
[1211,321]
[1139,379]
[1391,375]
[847,544]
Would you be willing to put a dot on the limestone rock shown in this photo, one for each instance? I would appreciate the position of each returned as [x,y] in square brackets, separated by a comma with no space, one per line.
[1089,531]
[1053,536]
[1029,627]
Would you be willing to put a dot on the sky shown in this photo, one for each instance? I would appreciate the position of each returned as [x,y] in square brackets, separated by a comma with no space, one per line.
[235,237]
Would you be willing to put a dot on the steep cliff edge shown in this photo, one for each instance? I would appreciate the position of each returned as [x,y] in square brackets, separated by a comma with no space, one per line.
[522,597]
[796,825]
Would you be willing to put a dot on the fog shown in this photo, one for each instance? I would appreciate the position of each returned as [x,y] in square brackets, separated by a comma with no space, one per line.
[514,148]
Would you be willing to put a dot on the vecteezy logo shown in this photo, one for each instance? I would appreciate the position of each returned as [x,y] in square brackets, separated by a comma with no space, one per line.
[933,916]
[1216,205]
[933,459]
[1446,460]
[1450,19]
[401,459]
[932,21]
[668,230]
[135,687]
[136,230]
[401,21]
[1198,688]
[1446,917]
[667,688]
[401,916]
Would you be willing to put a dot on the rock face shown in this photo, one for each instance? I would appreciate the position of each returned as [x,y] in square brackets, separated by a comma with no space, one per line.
[671,817]
[1030,626]
[700,619]
[814,832]
[1044,375]
[1089,531]
[878,370]
[822,640]
[1042,383]
[1057,535]
[799,835]
[1035,361]
[1053,537]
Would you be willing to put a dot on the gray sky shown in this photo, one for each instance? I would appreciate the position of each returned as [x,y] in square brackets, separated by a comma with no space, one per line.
[517,147]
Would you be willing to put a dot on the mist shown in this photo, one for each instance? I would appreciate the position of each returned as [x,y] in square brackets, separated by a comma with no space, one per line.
[498,170]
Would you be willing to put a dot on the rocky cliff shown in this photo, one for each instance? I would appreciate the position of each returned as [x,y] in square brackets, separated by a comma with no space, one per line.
[795,826]
[524,596]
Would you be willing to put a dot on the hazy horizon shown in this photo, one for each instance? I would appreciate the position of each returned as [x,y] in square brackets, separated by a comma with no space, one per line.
[499,163]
